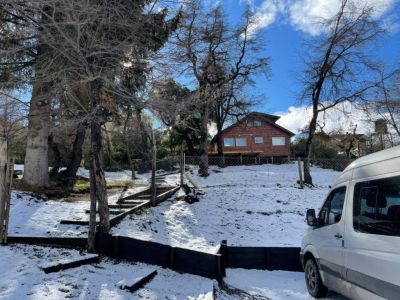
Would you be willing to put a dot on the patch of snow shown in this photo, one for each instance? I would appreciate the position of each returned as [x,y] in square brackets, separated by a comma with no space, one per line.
[120,175]
[277,285]
[246,205]
[35,216]
[22,278]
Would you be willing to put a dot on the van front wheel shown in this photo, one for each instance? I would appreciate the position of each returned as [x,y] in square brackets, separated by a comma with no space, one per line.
[313,279]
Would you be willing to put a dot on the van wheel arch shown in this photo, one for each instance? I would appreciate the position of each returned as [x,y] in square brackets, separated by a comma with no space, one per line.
[313,275]
[308,255]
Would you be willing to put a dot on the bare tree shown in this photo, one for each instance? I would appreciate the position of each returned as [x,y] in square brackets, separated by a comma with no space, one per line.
[91,42]
[385,104]
[230,104]
[215,54]
[13,116]
[335,70]
[172,104]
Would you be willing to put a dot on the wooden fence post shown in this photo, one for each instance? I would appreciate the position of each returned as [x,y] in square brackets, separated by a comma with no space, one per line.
[153,170]
[10,176]
[224,253]
[93,213]
[300,173]
[3,187]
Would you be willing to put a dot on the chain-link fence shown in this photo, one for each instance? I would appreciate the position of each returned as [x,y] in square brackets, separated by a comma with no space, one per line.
[338,164]
[173,163]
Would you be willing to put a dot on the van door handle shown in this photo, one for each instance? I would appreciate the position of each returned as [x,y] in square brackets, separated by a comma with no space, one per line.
[338,236]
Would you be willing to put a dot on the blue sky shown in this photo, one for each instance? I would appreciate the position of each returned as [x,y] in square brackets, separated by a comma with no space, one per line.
[285,24]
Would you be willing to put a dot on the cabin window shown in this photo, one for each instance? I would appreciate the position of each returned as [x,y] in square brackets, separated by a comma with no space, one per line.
[258,140]
[278,141]
[229,142]
[253,123]
[241,142]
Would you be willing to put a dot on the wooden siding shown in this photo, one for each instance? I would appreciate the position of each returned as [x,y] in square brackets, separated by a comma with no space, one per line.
[267,131]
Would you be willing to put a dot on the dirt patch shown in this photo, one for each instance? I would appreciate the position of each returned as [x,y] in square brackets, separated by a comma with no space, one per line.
[56,192]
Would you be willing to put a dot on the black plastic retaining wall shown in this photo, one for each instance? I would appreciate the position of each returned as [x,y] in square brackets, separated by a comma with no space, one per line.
[178,259]
[199,263]
[263,258]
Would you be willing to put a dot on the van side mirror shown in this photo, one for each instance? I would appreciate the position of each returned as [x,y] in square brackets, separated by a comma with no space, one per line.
[311,218]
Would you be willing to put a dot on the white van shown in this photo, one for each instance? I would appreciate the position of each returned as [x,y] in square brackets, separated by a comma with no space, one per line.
[353,245]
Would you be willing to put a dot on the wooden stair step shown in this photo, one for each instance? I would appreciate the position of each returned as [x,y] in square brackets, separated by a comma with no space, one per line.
[121,206]
[112,212]
[132,202]
[76,222]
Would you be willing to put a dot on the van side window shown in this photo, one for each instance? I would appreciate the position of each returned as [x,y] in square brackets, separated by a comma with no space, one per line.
[376,206]
[331,212]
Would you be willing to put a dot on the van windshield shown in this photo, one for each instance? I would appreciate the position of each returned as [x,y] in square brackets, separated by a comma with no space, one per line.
[376,206]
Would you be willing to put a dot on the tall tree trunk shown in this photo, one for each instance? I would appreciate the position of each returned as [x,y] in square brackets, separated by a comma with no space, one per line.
[36,168]
[98,191]
[220,147]
[111,165]
[311,133]
[127,145]
[189,144]
[69,175]
[144,167]
[203,164]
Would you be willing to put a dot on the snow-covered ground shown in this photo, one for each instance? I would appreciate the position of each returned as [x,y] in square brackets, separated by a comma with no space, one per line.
[37,216]
[277,285]
[246,205]
[120,175]
[22,278]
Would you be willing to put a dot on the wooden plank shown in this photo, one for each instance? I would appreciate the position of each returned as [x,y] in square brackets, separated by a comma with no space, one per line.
[137,283]
[10,171]
[117,219]
[74,242]
[191,181]
[137,202]
[130,197]
[76,222]
[71,264]
[121,206]
[113,221]
[164,196]
[112,212]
